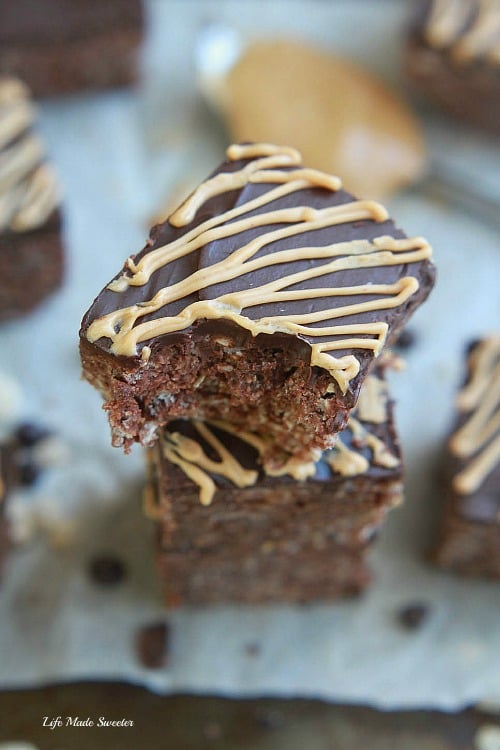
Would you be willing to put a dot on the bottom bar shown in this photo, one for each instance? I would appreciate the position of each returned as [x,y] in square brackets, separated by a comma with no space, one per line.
[280,575]
[229,533]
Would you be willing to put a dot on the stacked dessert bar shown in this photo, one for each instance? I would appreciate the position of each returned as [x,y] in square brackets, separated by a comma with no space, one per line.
[65,46]
[235,347]
[31,253]
[270,538]
[470,536]
[453,59]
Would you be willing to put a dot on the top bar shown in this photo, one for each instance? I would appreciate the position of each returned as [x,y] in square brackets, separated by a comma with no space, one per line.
[262,301]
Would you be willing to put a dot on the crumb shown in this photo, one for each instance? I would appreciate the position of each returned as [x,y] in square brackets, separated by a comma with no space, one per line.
[152,645]
[29,434]
[413,616]
[107,571]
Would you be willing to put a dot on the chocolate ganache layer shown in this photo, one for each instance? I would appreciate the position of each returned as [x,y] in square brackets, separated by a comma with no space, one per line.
[469,542]
[267,250]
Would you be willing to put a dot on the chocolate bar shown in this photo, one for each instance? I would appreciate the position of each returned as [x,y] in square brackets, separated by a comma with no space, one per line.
[470,535]
[31,251]
[263,301]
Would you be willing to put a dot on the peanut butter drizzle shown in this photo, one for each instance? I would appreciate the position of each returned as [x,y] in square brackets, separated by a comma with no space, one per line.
[469,28]
[189,455]
[125,332]
[191,458]
[28,187]
[371,408]
[479,437]
[294,467]
[372,401]
[347,462]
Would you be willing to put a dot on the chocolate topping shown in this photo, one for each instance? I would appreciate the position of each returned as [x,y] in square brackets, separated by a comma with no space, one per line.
[273,248]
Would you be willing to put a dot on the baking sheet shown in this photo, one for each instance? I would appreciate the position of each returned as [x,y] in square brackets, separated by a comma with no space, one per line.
[118,156]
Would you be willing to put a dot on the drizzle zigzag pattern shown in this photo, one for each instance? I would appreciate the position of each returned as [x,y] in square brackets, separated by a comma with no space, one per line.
[189,454]
[126,331]
[479,437]
[28,186]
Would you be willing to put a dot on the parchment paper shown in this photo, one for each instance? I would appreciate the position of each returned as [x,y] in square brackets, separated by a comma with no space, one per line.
[118,156]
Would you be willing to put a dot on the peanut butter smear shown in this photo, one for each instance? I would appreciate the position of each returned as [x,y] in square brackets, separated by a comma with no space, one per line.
[347,460]
[280,166]
[468,29]
[338,115]
[28,186]
[478,439]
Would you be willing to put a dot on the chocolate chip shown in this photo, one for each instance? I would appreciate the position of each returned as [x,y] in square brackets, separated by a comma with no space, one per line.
[28,474]
[29,434]
[252,649]
[413,616]
[107,571]
[152,643]
[406,339]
